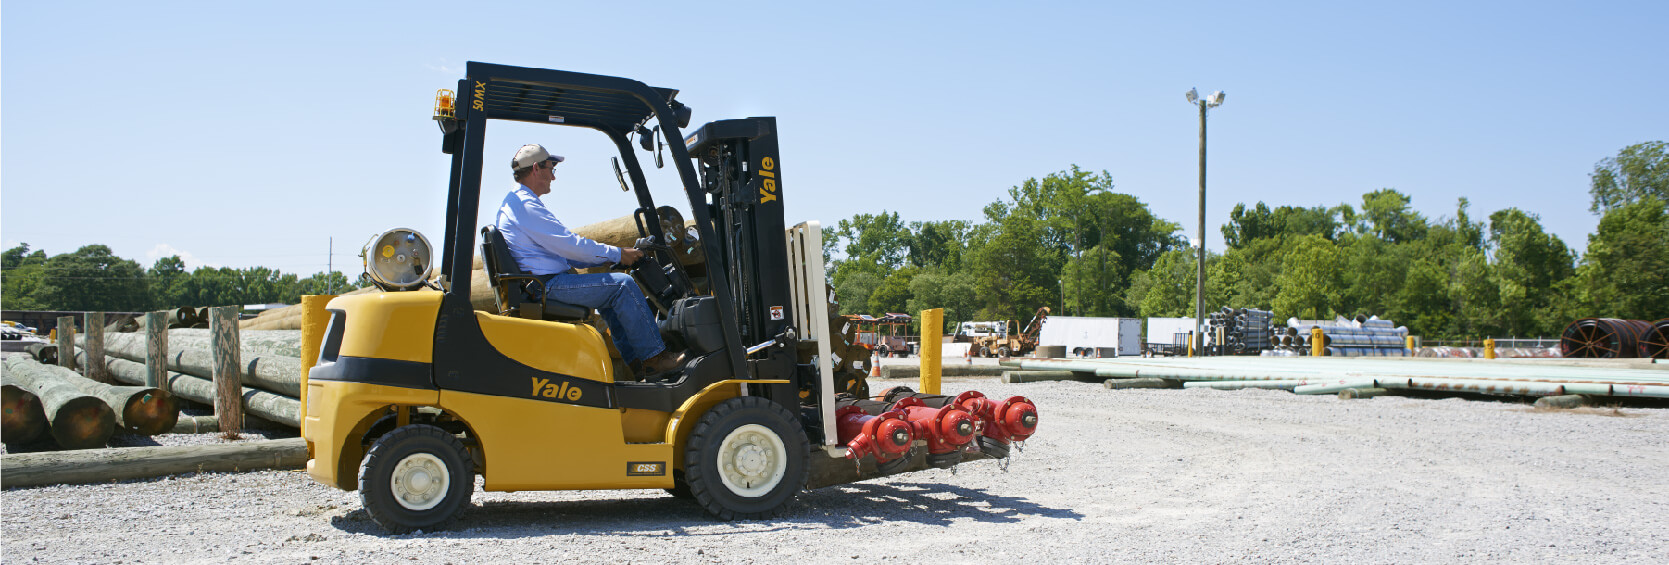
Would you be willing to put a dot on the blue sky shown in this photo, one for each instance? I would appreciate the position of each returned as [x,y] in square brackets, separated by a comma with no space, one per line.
[251,133]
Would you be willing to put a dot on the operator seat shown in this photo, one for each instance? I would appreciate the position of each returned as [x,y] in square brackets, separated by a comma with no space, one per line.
[517,292]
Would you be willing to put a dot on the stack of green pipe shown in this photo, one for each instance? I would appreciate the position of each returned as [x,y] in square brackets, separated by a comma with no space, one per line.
[1487,378]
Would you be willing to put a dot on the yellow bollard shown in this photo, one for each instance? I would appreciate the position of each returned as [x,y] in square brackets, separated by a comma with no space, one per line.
[1318,345]
[1190,344]
[314,320]
[932,338]
[1489,348]
[1408,342]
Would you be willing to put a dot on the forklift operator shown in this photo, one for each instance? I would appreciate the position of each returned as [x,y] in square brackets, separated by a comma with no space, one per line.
[544,247]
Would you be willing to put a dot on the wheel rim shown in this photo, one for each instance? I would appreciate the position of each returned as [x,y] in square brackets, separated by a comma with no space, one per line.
[420,481]
[752,460]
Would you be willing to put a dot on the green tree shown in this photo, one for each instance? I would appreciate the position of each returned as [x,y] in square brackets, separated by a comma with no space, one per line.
[1388,217]
[1638,171]
[21,273]
[1423,300]
[93,279]
[1260,222]
[1474,294]
[1372,270]
[1528,264]
[1012,272]
[875,239]
[1091,281]
[893,294]
[954,292]
[1626,270]
[939,244]
[168,278]
[853,291]
[1168,289]
[1246,275]
[1310,280]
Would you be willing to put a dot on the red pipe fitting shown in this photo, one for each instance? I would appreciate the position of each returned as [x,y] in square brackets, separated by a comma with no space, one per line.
[1014,420]
[886,437]
[946,428]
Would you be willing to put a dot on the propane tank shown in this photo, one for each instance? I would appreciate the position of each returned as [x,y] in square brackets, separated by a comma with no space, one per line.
[946,429]
[886,437]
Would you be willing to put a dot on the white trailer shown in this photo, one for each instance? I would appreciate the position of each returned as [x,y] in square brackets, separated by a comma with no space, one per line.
[1095,337]
[1168,336]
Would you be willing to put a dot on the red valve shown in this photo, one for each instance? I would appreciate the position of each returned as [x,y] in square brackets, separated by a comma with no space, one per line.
[945,428]
[886,437]
[1014,420]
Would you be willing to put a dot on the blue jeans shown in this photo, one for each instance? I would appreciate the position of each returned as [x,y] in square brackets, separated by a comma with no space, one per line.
[622,305]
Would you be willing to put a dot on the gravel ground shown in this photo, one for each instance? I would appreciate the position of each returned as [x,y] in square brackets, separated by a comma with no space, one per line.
[1113,476]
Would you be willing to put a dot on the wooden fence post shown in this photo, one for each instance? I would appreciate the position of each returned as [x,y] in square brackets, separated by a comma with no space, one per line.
[95,368]
[156,351]
[228,376]
[66,342]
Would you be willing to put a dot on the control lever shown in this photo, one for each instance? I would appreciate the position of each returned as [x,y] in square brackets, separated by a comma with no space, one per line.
[778,341]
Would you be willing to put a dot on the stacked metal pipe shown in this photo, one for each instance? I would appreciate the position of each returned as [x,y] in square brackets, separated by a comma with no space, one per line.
[1245,331]
[1362,337]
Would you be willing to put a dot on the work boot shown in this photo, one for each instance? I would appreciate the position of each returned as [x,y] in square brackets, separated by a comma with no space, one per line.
[666,361]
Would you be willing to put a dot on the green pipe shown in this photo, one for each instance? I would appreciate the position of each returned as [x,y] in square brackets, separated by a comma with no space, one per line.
[1393,373]
[1237,385]
[1335,387]
[1485,387]
[1640,390]
[1356,393]
[1260,368]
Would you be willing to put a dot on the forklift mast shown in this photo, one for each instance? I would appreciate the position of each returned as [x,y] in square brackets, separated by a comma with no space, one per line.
[741,173]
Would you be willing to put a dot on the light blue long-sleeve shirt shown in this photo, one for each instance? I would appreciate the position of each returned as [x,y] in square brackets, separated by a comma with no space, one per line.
[540,243]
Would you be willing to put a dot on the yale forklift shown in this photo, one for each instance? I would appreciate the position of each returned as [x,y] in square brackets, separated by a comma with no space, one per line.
[416,392]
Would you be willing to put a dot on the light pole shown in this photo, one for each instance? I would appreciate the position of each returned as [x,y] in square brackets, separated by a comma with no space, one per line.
[1212,101]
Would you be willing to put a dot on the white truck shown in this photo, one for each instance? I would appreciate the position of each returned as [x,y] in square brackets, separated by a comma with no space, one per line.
[1093,337]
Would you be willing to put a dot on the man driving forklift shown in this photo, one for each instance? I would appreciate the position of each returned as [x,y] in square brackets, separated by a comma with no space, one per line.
[541,245]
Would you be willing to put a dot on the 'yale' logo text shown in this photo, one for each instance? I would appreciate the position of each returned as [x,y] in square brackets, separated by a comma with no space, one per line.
[768,188]
[543,387]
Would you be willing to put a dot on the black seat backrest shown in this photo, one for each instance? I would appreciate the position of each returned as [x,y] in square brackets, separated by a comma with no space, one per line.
[517,292]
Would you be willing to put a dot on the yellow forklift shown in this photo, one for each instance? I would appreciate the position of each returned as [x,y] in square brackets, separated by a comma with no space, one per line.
[416,392]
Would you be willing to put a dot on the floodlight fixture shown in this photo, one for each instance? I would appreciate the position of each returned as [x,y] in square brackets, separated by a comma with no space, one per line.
[1193,95]
[1216,99]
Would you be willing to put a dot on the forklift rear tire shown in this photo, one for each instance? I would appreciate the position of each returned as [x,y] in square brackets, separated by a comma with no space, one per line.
[984,351]
[1002,351]
[746,459]
[417,477]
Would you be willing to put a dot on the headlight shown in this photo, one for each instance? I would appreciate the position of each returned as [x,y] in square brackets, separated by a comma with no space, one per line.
[398,259]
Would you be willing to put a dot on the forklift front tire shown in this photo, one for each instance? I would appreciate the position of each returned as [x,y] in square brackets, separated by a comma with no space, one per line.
[746,459]
[417,477]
